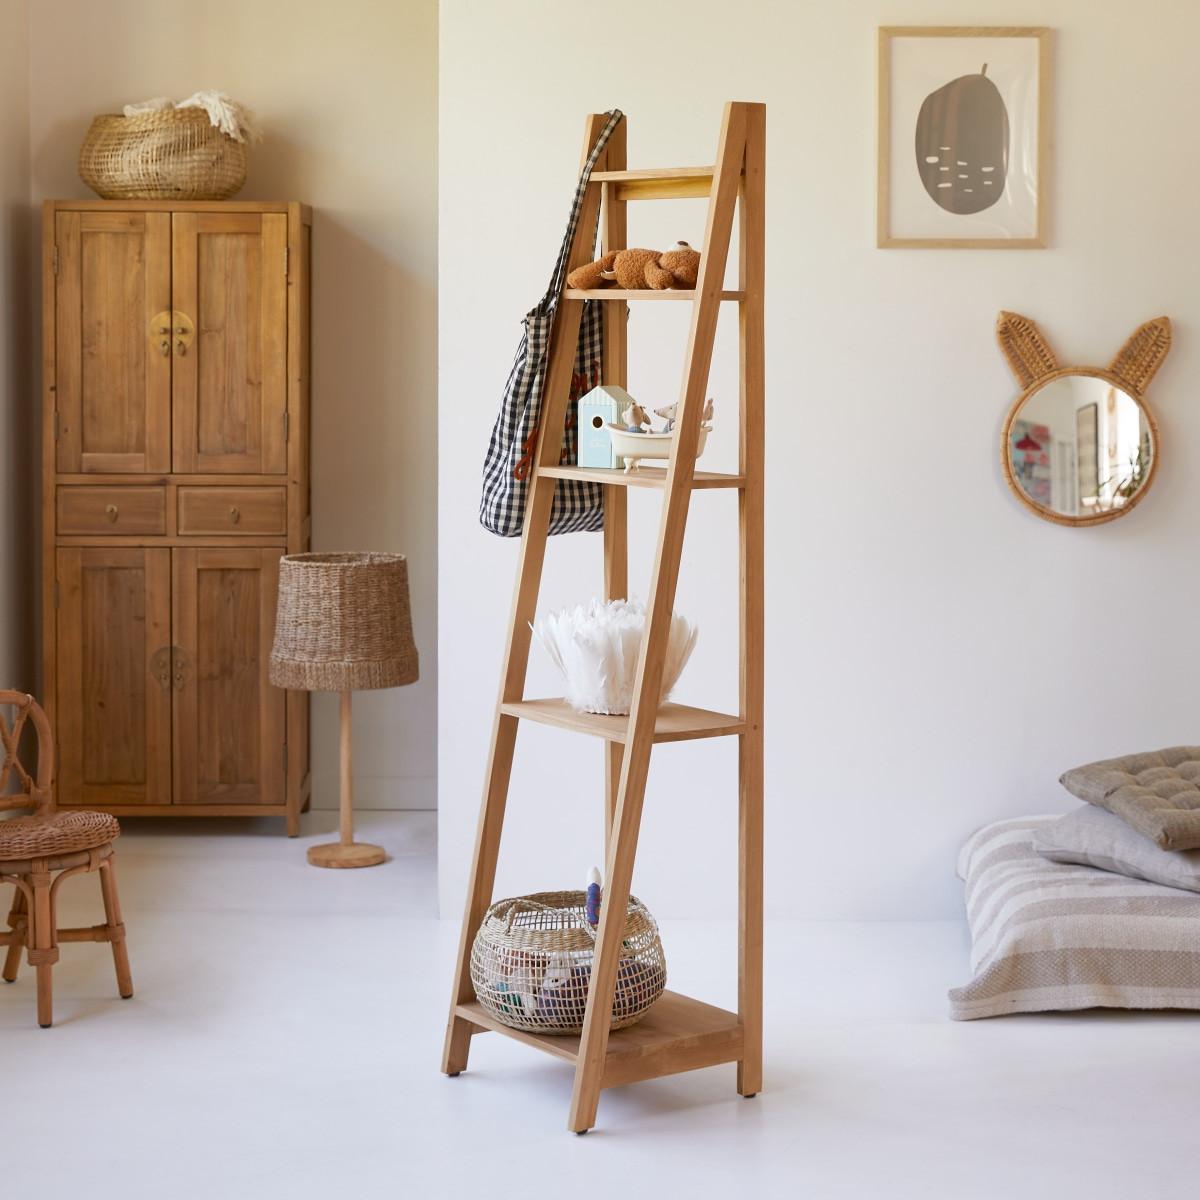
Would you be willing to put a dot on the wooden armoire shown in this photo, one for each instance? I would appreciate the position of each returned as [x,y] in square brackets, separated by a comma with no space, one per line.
[176,473]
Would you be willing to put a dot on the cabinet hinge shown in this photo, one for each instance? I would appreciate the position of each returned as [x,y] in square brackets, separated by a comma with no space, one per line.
[287,254]
[54,261]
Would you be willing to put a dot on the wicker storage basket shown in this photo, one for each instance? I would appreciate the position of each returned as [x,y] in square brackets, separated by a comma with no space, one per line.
[532,962]
[171,154]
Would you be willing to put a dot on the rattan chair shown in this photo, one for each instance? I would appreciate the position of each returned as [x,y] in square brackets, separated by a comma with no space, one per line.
[39,851]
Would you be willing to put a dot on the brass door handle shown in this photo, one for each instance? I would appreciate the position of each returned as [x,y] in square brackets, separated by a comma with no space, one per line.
[160,667]
[165,345]
[181,347]
[112,512]
[235,514]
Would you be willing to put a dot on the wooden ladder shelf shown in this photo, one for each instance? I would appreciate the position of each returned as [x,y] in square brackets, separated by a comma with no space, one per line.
[678,1033]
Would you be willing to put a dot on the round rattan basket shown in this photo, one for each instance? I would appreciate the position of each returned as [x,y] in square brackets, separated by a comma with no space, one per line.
[171,154]
[531,963]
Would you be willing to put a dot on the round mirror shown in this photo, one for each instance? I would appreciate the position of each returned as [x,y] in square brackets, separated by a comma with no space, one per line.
[1078,448]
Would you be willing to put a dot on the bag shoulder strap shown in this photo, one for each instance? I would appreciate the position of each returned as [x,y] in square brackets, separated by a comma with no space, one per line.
[550,299]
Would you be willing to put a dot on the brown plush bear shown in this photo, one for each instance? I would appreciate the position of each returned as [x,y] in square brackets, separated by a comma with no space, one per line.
[636,269]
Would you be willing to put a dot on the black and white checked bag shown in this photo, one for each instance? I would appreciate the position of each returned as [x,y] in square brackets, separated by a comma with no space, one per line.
[577,505]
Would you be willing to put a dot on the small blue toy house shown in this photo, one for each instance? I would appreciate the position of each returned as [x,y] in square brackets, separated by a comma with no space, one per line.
[596,409]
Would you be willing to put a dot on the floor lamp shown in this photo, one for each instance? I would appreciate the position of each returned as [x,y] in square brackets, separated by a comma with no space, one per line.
[343,623]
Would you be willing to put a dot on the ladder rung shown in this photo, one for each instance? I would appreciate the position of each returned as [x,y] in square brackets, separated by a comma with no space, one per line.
[675,722]
[642,294]
[658,183]
[646,477]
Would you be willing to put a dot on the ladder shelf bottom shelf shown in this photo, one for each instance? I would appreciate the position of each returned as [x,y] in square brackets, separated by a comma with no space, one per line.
[645,477]
[674,722]
[677,1034]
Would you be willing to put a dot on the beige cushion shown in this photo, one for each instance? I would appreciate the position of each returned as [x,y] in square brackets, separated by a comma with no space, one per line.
[1048,935]
[1158,794]
[1092,837]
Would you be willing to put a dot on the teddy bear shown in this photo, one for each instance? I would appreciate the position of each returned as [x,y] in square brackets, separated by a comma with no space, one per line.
[637,269]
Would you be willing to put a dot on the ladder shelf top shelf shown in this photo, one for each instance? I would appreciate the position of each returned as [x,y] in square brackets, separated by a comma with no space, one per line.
[677,1034]
[674,722]
[688,294]
[644,477]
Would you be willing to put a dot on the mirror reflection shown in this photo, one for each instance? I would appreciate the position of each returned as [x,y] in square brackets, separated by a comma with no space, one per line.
[1080,446]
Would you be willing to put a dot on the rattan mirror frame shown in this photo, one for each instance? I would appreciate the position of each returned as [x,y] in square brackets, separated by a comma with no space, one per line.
[1034,365]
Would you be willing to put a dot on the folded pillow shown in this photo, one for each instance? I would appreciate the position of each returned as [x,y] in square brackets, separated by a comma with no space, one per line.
[1158,794]
[1092,837]
[1048,935]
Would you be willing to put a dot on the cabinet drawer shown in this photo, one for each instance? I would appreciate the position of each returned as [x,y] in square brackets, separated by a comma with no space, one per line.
[226,510]
[112,510]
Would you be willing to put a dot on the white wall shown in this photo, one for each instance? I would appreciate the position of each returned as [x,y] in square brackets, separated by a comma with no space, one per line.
[931,645]
[347,97]
[17,407]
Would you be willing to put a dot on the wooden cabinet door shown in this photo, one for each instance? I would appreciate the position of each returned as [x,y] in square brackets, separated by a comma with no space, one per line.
[229,720]
[230,385]
[113,676]
[112,376]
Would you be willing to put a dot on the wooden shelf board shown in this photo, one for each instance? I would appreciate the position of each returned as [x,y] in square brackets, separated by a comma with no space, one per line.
[675,723]
[677,1034]
[646,477]
[652,173]
[688,294]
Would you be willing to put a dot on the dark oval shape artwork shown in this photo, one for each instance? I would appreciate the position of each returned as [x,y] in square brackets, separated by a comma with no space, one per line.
[962,144]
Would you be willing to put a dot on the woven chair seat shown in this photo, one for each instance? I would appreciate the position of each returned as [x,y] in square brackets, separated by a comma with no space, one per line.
[56,833]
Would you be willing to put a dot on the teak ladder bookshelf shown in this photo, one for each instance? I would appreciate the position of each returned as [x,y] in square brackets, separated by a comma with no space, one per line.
[678,1033]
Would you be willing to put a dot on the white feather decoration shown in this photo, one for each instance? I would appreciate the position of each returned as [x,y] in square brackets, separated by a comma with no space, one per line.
[596,649]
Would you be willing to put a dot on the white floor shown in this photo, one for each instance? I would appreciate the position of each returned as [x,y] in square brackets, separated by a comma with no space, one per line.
[285,1036]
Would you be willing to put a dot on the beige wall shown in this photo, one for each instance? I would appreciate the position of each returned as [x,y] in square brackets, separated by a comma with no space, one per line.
[937,654]
[16,398]
[347,97]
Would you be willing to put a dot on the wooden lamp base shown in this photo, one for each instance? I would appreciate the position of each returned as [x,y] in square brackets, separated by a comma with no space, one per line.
[337,854]
[346,852]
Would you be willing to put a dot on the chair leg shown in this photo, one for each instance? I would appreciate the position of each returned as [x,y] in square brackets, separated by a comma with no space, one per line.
[19,924]
[116,928]
[42,941]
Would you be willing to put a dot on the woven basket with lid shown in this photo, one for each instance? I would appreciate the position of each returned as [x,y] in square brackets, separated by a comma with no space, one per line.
[170,154]
[531,963]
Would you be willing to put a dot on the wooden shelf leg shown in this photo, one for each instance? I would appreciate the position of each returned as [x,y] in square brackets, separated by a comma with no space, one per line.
[479,892]
[750,540]
[555,399]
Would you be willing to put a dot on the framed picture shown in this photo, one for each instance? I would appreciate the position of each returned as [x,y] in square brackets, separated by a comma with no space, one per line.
[963,137]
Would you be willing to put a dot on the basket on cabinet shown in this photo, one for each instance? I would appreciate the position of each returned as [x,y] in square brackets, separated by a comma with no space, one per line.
[168,154]
[531,963]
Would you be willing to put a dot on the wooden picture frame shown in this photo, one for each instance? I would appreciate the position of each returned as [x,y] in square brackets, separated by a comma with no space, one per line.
[927,223]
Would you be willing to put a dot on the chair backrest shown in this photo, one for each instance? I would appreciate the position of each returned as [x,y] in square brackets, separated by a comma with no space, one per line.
[33,791]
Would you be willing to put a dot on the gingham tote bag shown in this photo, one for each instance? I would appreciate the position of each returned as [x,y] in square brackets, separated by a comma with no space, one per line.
[577,505]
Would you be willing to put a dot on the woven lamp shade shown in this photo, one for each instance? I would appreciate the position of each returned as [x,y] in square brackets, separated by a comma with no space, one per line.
[344,623]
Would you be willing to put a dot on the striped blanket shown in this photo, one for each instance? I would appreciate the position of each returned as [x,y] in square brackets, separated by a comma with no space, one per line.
[1049,935]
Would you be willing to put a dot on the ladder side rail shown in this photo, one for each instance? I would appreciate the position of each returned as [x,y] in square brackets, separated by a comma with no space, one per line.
[648,681]
[535,532]
[751,570]
[615,369]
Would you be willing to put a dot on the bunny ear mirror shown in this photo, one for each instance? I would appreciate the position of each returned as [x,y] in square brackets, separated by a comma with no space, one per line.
[1079,445]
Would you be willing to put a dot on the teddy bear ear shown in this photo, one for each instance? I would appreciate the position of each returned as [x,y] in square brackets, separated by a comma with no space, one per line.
[1142,355]
[1028,353]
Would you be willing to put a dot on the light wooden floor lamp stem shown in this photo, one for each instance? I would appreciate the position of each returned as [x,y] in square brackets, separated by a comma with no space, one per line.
[344,622]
